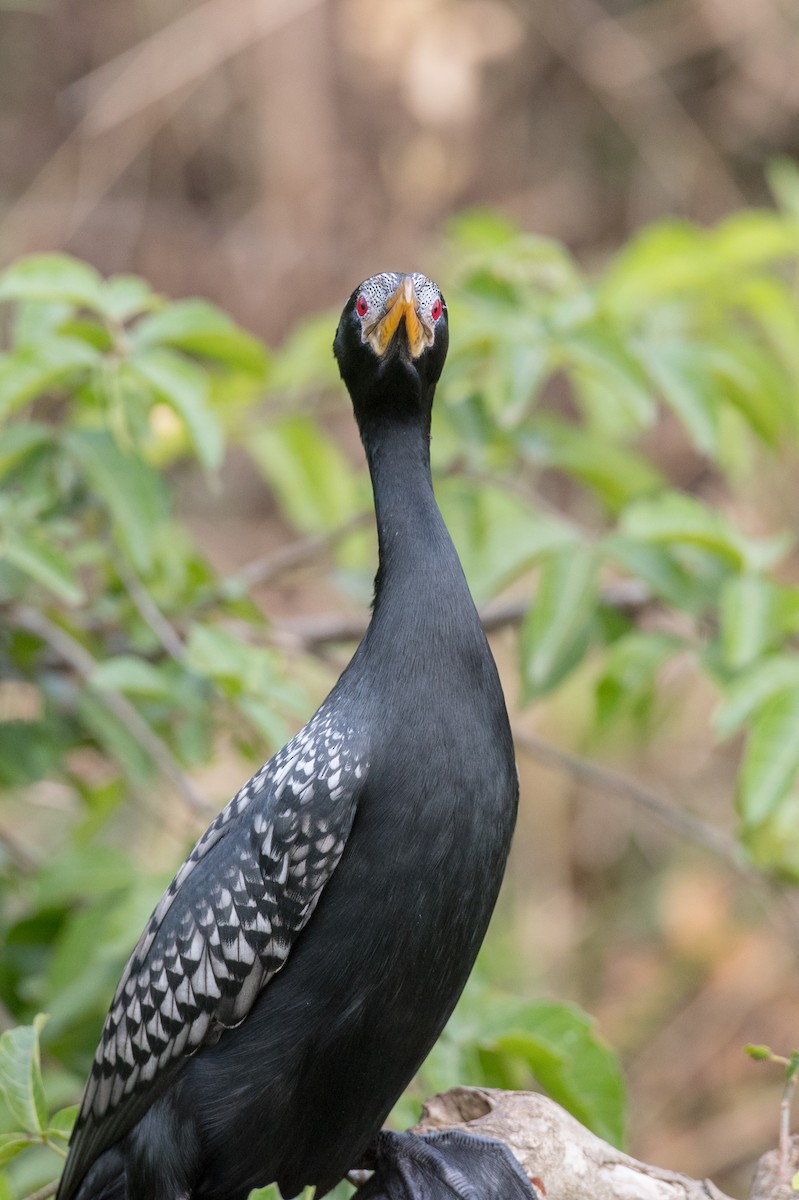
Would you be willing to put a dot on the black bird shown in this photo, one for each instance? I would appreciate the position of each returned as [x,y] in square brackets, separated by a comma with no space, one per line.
[309,951]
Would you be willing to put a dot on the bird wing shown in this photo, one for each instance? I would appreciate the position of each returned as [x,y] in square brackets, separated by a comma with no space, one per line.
[223,928]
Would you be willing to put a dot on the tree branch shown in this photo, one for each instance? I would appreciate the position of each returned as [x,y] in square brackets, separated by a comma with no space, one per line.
[613,783]
[562,1159]
[296,554]
[84,665]
[45,1192]
[151,614]
[315,632]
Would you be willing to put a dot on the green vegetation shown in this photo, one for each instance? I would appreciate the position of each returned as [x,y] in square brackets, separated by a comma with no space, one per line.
[128,660]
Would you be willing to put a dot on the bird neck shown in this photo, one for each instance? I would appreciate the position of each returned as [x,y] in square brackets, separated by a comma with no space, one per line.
[419,583]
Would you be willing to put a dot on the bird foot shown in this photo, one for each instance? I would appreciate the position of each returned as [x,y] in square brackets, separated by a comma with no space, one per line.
[443,1166]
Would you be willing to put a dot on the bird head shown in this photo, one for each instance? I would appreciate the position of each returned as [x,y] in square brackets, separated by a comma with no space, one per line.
[391,341]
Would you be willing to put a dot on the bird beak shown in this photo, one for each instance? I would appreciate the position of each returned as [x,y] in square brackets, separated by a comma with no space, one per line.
[401,303]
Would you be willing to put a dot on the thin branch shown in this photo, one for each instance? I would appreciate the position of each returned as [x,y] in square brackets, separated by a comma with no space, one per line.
[45,1192]
[575,45]
[151,614]
[22,859]
[786,1146]
[621,787]
[296,554]
[686,825]
[141,90]
[313,633]
[84,665]
[176,58]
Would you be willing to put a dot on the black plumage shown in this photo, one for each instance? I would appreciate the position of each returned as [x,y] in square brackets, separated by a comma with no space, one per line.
[243,1047]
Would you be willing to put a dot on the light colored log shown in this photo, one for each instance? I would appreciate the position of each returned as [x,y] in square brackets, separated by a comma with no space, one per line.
[563,1159]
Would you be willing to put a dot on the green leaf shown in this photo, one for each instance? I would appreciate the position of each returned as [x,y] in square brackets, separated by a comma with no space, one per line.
[758,1053]
[127,487]
[687,388]
[657,567]
[676,518]
[576,1068]
[21,1075]
[183,385]
[114,739]
[126,296]
[771,760]
[663,259]
[37,320]
[498,536]
[754,381]
[29,750]
[753,237]
[629,672]
[12,1144]
[82,873]
[557,630]
[782,174]
[771,303]
[747,614]
[200,328]
[598,359]
[311,478]
[751,690]
[218,654]
[62,1122]
[43,563]
[53,277]
[131,675]
[19,441]
[482,229]
[32,370]
[617,474]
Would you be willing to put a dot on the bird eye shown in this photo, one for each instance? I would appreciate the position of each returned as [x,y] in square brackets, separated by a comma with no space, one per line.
[362,305]
[435,311]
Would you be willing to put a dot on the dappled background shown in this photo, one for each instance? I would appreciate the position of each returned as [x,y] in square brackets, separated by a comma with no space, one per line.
[267,156]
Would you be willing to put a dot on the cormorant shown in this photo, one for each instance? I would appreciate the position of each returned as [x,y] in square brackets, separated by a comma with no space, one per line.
[309,951]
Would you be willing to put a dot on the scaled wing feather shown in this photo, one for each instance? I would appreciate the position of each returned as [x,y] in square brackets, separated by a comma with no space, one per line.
[224,926]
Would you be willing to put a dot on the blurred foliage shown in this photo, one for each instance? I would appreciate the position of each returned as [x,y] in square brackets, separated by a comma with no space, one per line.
[127,660]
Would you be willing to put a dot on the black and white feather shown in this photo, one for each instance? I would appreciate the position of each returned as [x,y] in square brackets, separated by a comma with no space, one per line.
[227,921]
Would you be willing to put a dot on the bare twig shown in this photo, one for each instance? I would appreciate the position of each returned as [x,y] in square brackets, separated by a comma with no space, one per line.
[786,1146]
[684,824]
[176,58]
[315,632]
[613,783]
[141,88]
[45,1192]
[84,665]
[151,614]
[22,859]
[575,44]
[296,554]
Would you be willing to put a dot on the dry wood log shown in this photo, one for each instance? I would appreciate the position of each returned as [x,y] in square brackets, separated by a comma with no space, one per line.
[565,1161]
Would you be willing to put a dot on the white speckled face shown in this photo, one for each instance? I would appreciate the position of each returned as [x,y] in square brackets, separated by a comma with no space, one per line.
[384,300]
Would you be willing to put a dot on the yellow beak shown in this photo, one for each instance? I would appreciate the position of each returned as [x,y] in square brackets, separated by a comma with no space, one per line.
[401,303]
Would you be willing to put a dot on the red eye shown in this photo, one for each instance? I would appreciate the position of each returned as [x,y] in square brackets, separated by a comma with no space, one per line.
[435,311]
[362,306]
